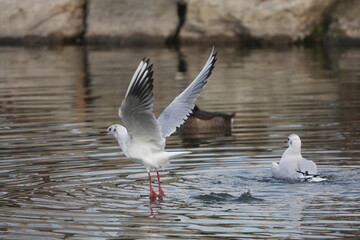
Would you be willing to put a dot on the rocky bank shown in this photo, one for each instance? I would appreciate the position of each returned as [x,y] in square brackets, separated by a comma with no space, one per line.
[158,21]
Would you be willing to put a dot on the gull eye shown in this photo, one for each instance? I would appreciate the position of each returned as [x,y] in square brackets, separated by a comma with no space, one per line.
[110,129]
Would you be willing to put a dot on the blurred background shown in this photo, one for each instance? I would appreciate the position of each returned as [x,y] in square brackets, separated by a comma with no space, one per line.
[284,66]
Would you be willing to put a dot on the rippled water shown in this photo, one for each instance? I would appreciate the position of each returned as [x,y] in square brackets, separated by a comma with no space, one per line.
[60,179]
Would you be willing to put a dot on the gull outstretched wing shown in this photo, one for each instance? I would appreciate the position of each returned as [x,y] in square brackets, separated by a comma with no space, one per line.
[136,110]
[179,109]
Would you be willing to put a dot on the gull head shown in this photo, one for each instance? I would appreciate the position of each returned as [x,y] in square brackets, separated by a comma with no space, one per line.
[116,130]
[294,142]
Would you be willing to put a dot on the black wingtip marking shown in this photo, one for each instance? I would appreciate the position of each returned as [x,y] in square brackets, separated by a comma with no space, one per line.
[143,86]
[213,61]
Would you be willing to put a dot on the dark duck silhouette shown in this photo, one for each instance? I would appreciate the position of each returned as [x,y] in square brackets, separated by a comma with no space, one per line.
[200,120]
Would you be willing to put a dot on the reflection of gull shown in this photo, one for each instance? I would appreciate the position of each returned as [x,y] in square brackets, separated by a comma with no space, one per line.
[143,137]
[292,164]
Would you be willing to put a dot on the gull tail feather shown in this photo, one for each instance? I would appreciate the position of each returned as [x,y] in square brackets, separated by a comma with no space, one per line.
[163,158]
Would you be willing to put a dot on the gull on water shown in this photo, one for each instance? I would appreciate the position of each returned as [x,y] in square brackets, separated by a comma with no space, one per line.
[142,138]
[293,166]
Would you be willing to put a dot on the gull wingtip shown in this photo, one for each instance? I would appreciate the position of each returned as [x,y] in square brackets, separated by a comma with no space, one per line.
[214,50]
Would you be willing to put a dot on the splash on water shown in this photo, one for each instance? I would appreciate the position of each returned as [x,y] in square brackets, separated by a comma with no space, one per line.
[246,197]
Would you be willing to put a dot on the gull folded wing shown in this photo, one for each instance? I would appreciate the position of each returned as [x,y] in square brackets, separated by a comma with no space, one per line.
[308,166]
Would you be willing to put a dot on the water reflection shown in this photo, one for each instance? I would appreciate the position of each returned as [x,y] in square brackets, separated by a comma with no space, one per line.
[60,180]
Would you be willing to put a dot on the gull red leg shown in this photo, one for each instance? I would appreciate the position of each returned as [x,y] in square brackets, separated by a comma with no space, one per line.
[161,192]
[152,192]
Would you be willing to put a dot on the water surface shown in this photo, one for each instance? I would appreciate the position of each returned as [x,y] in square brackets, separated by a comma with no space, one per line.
[60,179]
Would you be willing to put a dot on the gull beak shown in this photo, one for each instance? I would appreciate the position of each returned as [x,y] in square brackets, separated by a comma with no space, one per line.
[104,132]
[286,141]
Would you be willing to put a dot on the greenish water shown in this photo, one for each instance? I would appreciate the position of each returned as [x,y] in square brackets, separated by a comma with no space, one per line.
[61,179]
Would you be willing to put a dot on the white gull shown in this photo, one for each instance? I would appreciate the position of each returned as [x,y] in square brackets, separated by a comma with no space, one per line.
[142,138]
[293,166]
